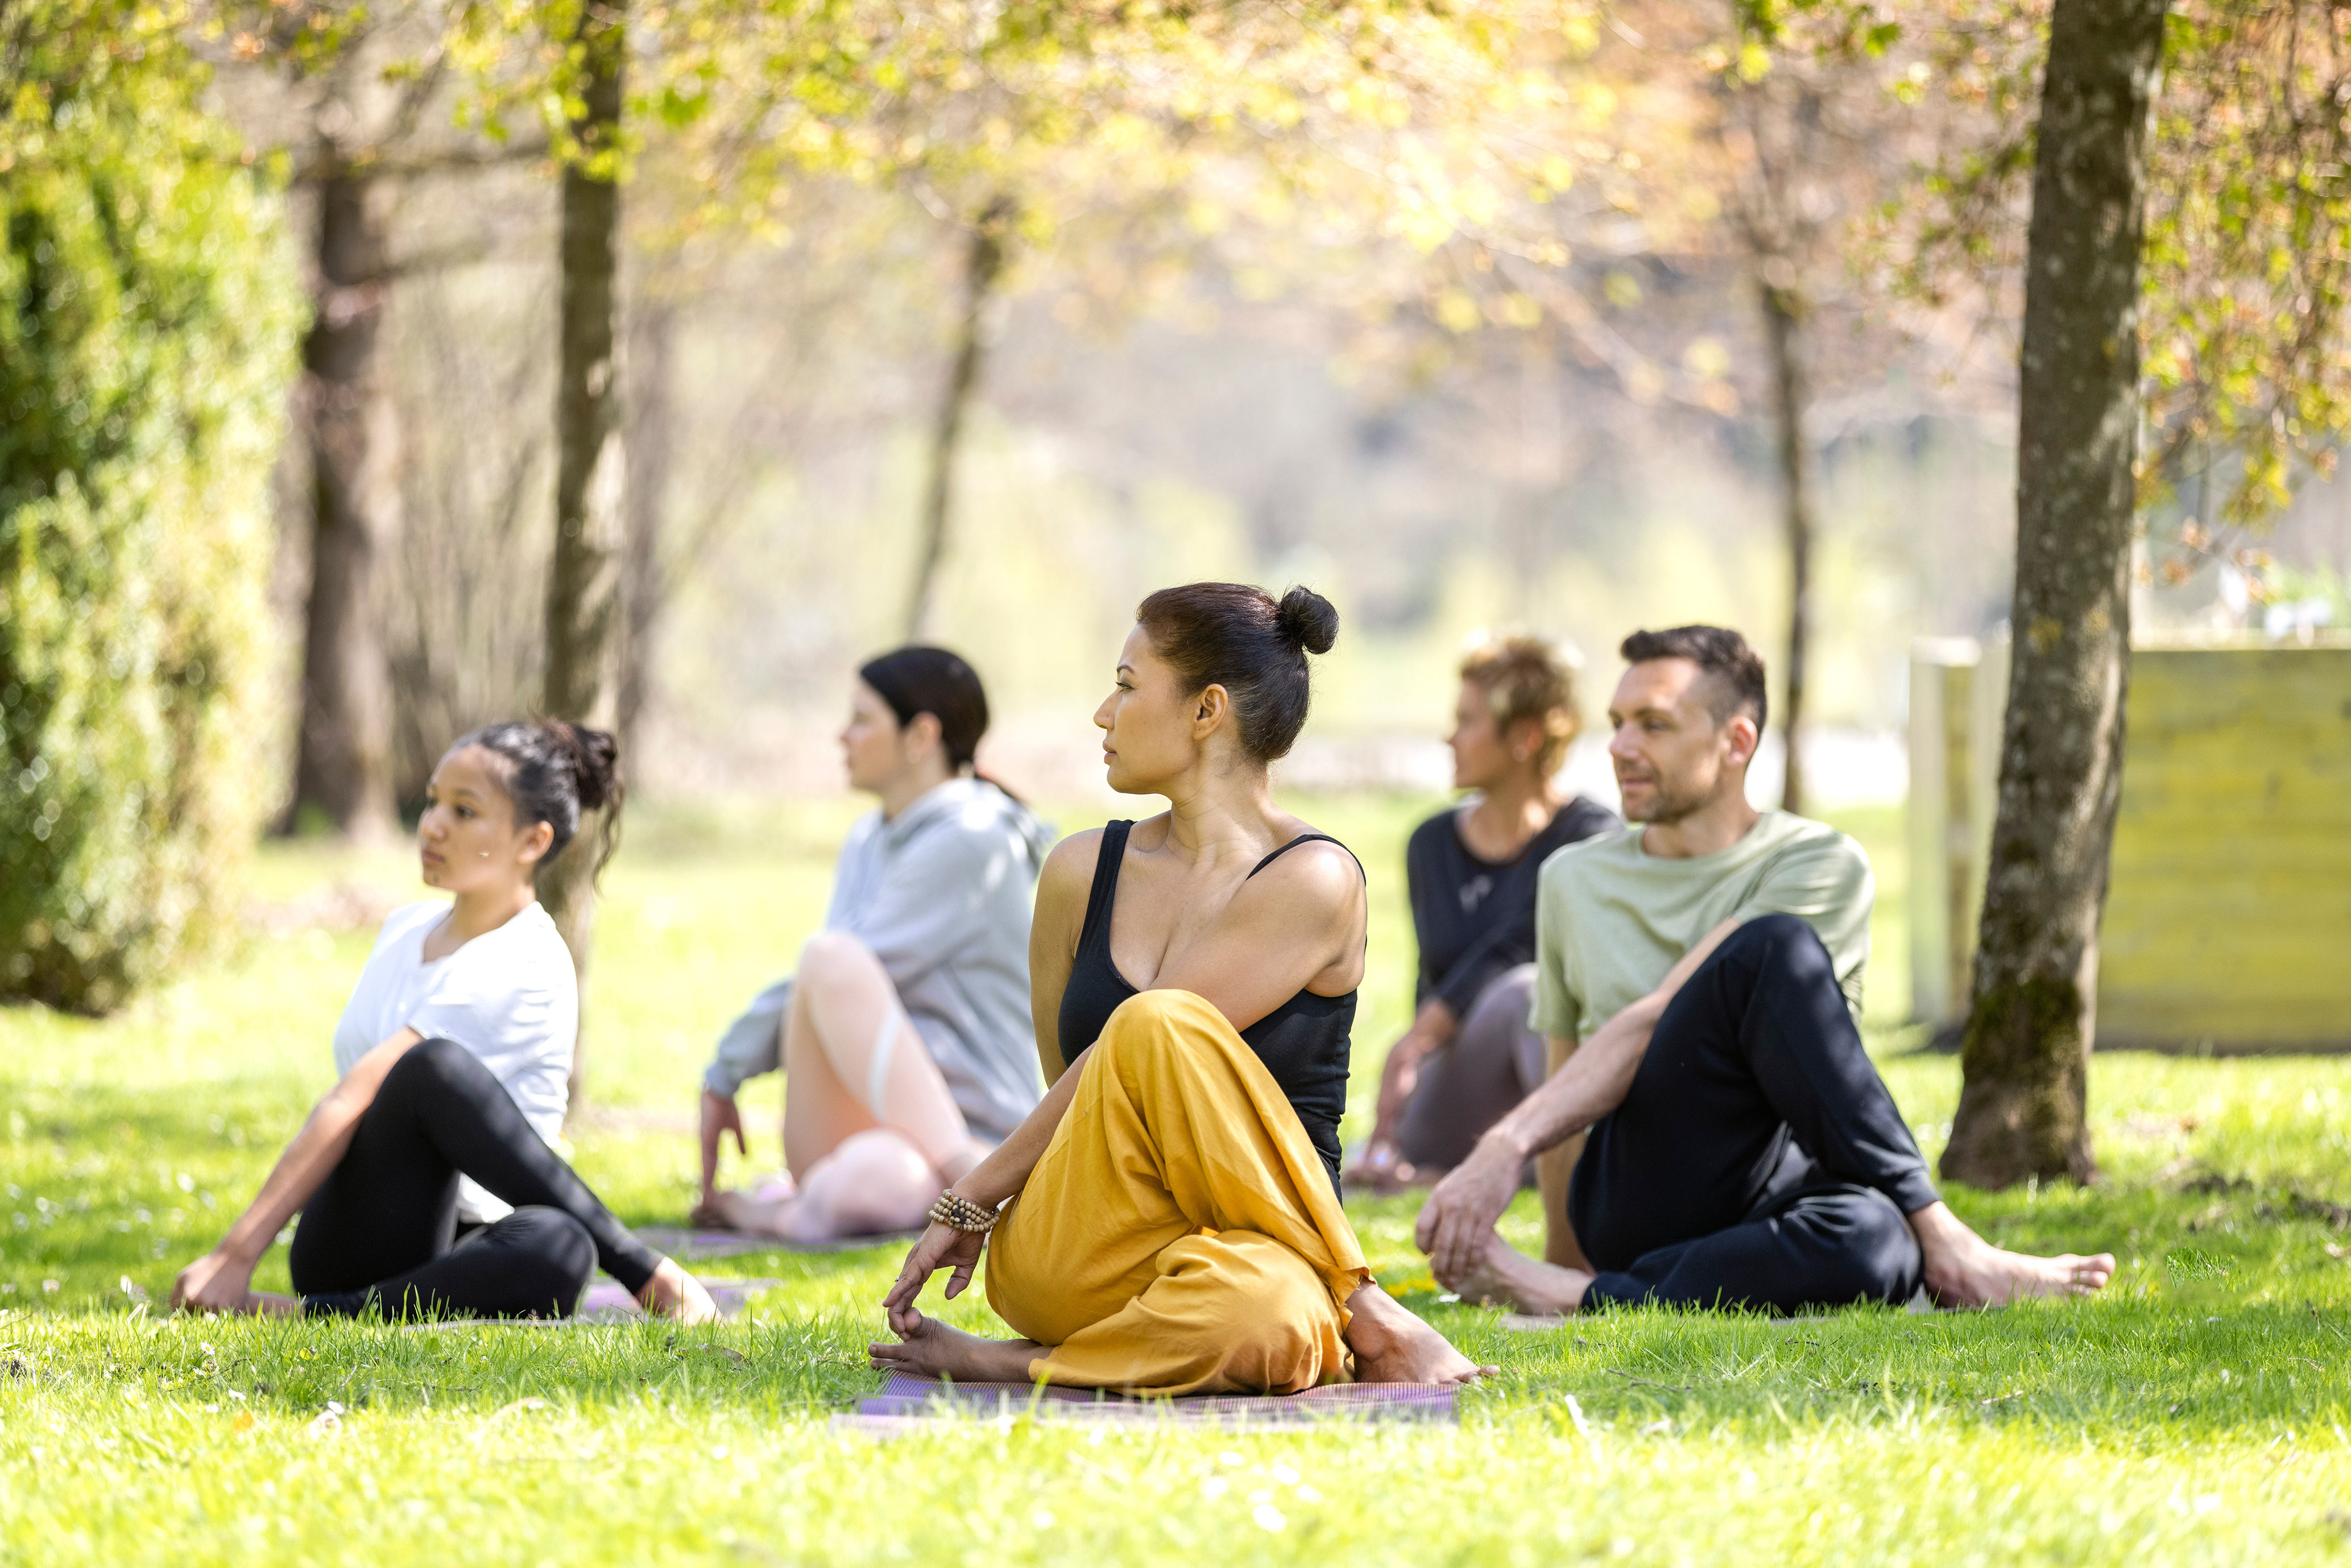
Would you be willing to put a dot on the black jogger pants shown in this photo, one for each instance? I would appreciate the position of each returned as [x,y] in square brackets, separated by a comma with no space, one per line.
[382,1227]
[1758,1159]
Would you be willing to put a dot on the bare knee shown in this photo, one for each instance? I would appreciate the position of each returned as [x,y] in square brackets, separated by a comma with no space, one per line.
[835,965]
[873,1182]
[830,954]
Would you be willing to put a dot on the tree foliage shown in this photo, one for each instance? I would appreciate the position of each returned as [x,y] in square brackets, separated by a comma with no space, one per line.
[2248,264]
[146,327]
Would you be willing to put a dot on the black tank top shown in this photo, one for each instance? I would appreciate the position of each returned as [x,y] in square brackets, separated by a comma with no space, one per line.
[1304,1042]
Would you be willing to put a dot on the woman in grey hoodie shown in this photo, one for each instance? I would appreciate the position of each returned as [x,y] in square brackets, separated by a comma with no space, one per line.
[904,1038]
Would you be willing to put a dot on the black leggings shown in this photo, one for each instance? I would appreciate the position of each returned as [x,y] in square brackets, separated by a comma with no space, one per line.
[381,1229]
[1758,1160]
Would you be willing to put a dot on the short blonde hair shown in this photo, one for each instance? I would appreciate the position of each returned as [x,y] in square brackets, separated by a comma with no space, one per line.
[1527,677]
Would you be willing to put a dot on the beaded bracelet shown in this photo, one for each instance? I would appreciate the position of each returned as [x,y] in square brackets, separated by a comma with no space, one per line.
[959,1213]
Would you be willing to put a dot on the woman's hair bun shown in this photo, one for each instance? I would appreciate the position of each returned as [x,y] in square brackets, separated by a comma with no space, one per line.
[595,761]
[556,772]
[1307,619]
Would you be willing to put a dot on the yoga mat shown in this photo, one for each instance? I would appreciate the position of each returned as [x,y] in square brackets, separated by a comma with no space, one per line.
[677,1241]
[613,1301]
[908,1403]
[606,1301]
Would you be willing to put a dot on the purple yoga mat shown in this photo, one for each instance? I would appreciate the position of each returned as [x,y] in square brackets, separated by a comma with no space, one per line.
[608,1300]
[906,1403]
[676,1241]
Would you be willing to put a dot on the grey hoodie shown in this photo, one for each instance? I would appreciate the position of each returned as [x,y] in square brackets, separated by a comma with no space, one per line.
[942,896]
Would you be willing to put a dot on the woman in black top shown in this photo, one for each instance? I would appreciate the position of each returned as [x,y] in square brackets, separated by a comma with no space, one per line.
[1167,1220]
[1469,1056]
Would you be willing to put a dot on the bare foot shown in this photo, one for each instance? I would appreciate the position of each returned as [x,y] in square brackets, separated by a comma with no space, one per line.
[1963,1270]
[673,1293]
[1392,1345]
[766,1212]
[1506,1277]
[931,1348]
[1383,1173]
[270,1304]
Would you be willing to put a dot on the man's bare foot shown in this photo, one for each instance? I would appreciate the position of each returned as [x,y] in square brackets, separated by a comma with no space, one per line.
[673,1293]
[1392,1345]
[1506,1277]
[270,1304]
[1963,1270]
[931,1348]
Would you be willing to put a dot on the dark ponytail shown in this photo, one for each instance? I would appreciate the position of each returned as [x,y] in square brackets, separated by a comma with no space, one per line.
[555,770]
[1241,638]
[919,680]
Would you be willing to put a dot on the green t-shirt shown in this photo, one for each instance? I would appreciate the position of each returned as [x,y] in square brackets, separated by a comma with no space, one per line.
[1611,919]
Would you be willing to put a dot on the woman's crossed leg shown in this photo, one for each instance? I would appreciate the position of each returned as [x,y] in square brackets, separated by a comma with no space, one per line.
[1179,1236]
[871,1133]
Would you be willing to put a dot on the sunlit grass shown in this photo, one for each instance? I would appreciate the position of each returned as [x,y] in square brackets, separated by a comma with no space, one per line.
[2199,1413]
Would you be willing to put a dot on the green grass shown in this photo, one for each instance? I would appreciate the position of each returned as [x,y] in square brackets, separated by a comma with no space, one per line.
[2197,1412]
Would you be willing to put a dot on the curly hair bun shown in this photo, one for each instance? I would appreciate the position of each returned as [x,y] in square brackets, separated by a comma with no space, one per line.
[595,761]
[1306,619]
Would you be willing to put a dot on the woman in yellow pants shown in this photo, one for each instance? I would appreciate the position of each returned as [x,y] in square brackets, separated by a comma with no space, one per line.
[1167,1220]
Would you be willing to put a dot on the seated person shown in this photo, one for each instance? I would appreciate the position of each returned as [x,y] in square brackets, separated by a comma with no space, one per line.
[1743,1150]
[904,1037]
[1174,1223]
[1469,1056]
[425,1178]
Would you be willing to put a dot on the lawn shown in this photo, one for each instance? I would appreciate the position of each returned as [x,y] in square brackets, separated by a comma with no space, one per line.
[2197,1413]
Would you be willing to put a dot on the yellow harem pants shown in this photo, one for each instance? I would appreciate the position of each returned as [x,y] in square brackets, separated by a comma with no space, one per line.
[1179,1235]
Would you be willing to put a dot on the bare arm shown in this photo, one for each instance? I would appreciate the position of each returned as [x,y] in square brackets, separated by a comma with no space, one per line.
[1279,935]
[222,1280]
[1432,1030]
[1063,887]
[1460,1216]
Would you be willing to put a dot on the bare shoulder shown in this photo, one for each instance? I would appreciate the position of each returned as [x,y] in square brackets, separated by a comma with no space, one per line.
[1068,873]
[1320,872]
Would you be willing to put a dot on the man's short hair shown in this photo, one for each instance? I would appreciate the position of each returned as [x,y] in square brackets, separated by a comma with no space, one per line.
[1734,670]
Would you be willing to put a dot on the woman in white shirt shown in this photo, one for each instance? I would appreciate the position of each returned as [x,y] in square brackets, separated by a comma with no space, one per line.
[425,1178]
[904,1038]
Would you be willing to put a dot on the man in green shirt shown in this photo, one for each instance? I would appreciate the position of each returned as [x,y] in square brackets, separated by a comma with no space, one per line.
[1701,974]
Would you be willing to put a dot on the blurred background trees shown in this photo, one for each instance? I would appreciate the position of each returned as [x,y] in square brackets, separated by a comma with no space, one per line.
[148,311]
[663,361]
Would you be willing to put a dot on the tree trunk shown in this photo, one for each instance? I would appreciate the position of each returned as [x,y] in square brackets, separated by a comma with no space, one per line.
[651,330]
[1784,324]
[2023,1108]
[582,601]
[983,266]
[344,751]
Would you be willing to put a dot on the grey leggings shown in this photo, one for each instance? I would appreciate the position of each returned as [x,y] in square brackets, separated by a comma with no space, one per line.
[1493,1062]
